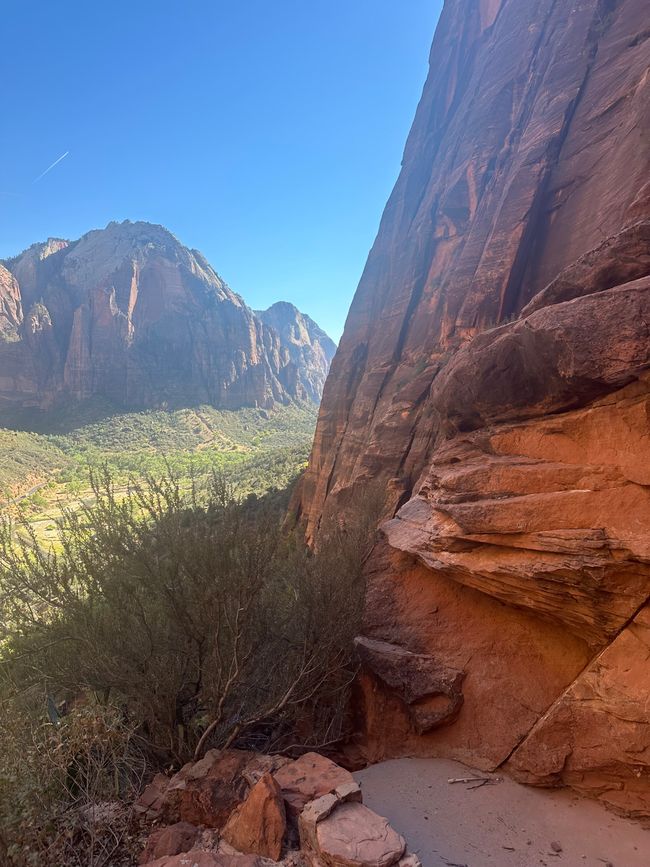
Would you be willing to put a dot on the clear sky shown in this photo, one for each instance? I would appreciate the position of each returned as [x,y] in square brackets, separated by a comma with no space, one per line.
[266,133]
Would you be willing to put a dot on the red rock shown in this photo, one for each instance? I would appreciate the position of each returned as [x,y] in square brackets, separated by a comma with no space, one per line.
[129,299]
[524,156]
[314,812]
[199,858]
[309,777]
[617,260]
[496,645]
[151,800]
[432,693]
[206,792]
[171,840]
[259,824]
[595,736]
[321,808]
[354,836]
[515,458]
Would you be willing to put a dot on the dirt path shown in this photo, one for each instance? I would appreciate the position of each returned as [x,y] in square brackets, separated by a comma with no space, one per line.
[501,825]
[24,495]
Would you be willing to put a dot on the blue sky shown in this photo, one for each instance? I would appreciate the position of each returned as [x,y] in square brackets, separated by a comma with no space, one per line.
[266,134]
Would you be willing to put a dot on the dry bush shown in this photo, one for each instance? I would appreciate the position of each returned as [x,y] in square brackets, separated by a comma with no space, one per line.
[66,788]
[197,616]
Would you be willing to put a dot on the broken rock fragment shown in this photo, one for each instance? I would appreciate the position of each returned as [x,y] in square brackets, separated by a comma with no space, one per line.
[259,824]
[309,777]
[354,836]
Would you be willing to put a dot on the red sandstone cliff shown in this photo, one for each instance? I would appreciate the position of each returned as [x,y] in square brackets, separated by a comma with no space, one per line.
[495,372]
[129,314]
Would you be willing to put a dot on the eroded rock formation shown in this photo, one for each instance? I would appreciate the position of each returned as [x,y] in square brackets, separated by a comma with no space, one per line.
[257,810]
[130,315]
[495,374]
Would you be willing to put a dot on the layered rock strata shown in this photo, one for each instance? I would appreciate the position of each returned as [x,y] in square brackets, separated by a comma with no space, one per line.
[495,374]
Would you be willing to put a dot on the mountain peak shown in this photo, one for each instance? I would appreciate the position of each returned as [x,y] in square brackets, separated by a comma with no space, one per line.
[139,319]
[139,230]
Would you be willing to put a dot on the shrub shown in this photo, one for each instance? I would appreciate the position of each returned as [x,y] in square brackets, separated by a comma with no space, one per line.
[194,614]
[65,786]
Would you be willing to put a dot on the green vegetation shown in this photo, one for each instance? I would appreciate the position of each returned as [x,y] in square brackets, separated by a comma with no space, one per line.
[44,470]
[27,459]
[153,606]
[169,621]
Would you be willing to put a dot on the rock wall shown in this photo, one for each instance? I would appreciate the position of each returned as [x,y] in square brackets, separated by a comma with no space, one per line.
[129,314]
[494,372]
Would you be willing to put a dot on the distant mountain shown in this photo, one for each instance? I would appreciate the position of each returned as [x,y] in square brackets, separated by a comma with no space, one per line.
[128,314]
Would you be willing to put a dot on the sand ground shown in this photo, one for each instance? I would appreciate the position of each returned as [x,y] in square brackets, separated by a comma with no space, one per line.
[500,825]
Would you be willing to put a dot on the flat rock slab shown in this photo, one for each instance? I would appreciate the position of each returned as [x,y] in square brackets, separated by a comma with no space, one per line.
[309,777]
[354,836]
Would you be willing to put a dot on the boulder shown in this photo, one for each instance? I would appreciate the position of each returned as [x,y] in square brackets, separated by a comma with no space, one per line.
[354,836]
[321,808]
[431,691]
[259,824]
[247,826]
[171,840]
[309,777]
[206,792]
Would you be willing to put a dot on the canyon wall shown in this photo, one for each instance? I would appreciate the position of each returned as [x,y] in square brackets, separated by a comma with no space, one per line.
[130,315]
[494,373]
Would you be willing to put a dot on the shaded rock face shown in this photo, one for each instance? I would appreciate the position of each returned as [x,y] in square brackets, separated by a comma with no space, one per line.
[432,694]
[129,314]
[494,372]
[11,314]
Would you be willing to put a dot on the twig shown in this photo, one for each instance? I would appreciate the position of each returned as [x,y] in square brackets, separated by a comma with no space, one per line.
[468,780]
[481,784]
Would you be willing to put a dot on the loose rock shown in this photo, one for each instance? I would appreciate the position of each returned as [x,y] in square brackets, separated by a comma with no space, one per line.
[259,824]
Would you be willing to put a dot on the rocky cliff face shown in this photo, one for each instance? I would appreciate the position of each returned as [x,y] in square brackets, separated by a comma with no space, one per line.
[129,314]
[304,347]
[495,373]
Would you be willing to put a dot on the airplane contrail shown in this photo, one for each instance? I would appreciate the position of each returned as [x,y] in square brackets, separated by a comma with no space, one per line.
[49,168]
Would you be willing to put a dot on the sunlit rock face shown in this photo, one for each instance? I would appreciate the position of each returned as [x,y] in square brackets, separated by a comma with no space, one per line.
[129,314]
[494,374]
[304,353]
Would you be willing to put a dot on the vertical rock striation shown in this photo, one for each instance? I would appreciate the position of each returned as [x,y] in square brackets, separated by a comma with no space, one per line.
[129,314]
[494,373]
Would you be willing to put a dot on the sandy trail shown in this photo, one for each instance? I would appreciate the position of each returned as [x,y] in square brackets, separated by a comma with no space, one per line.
[501,825]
